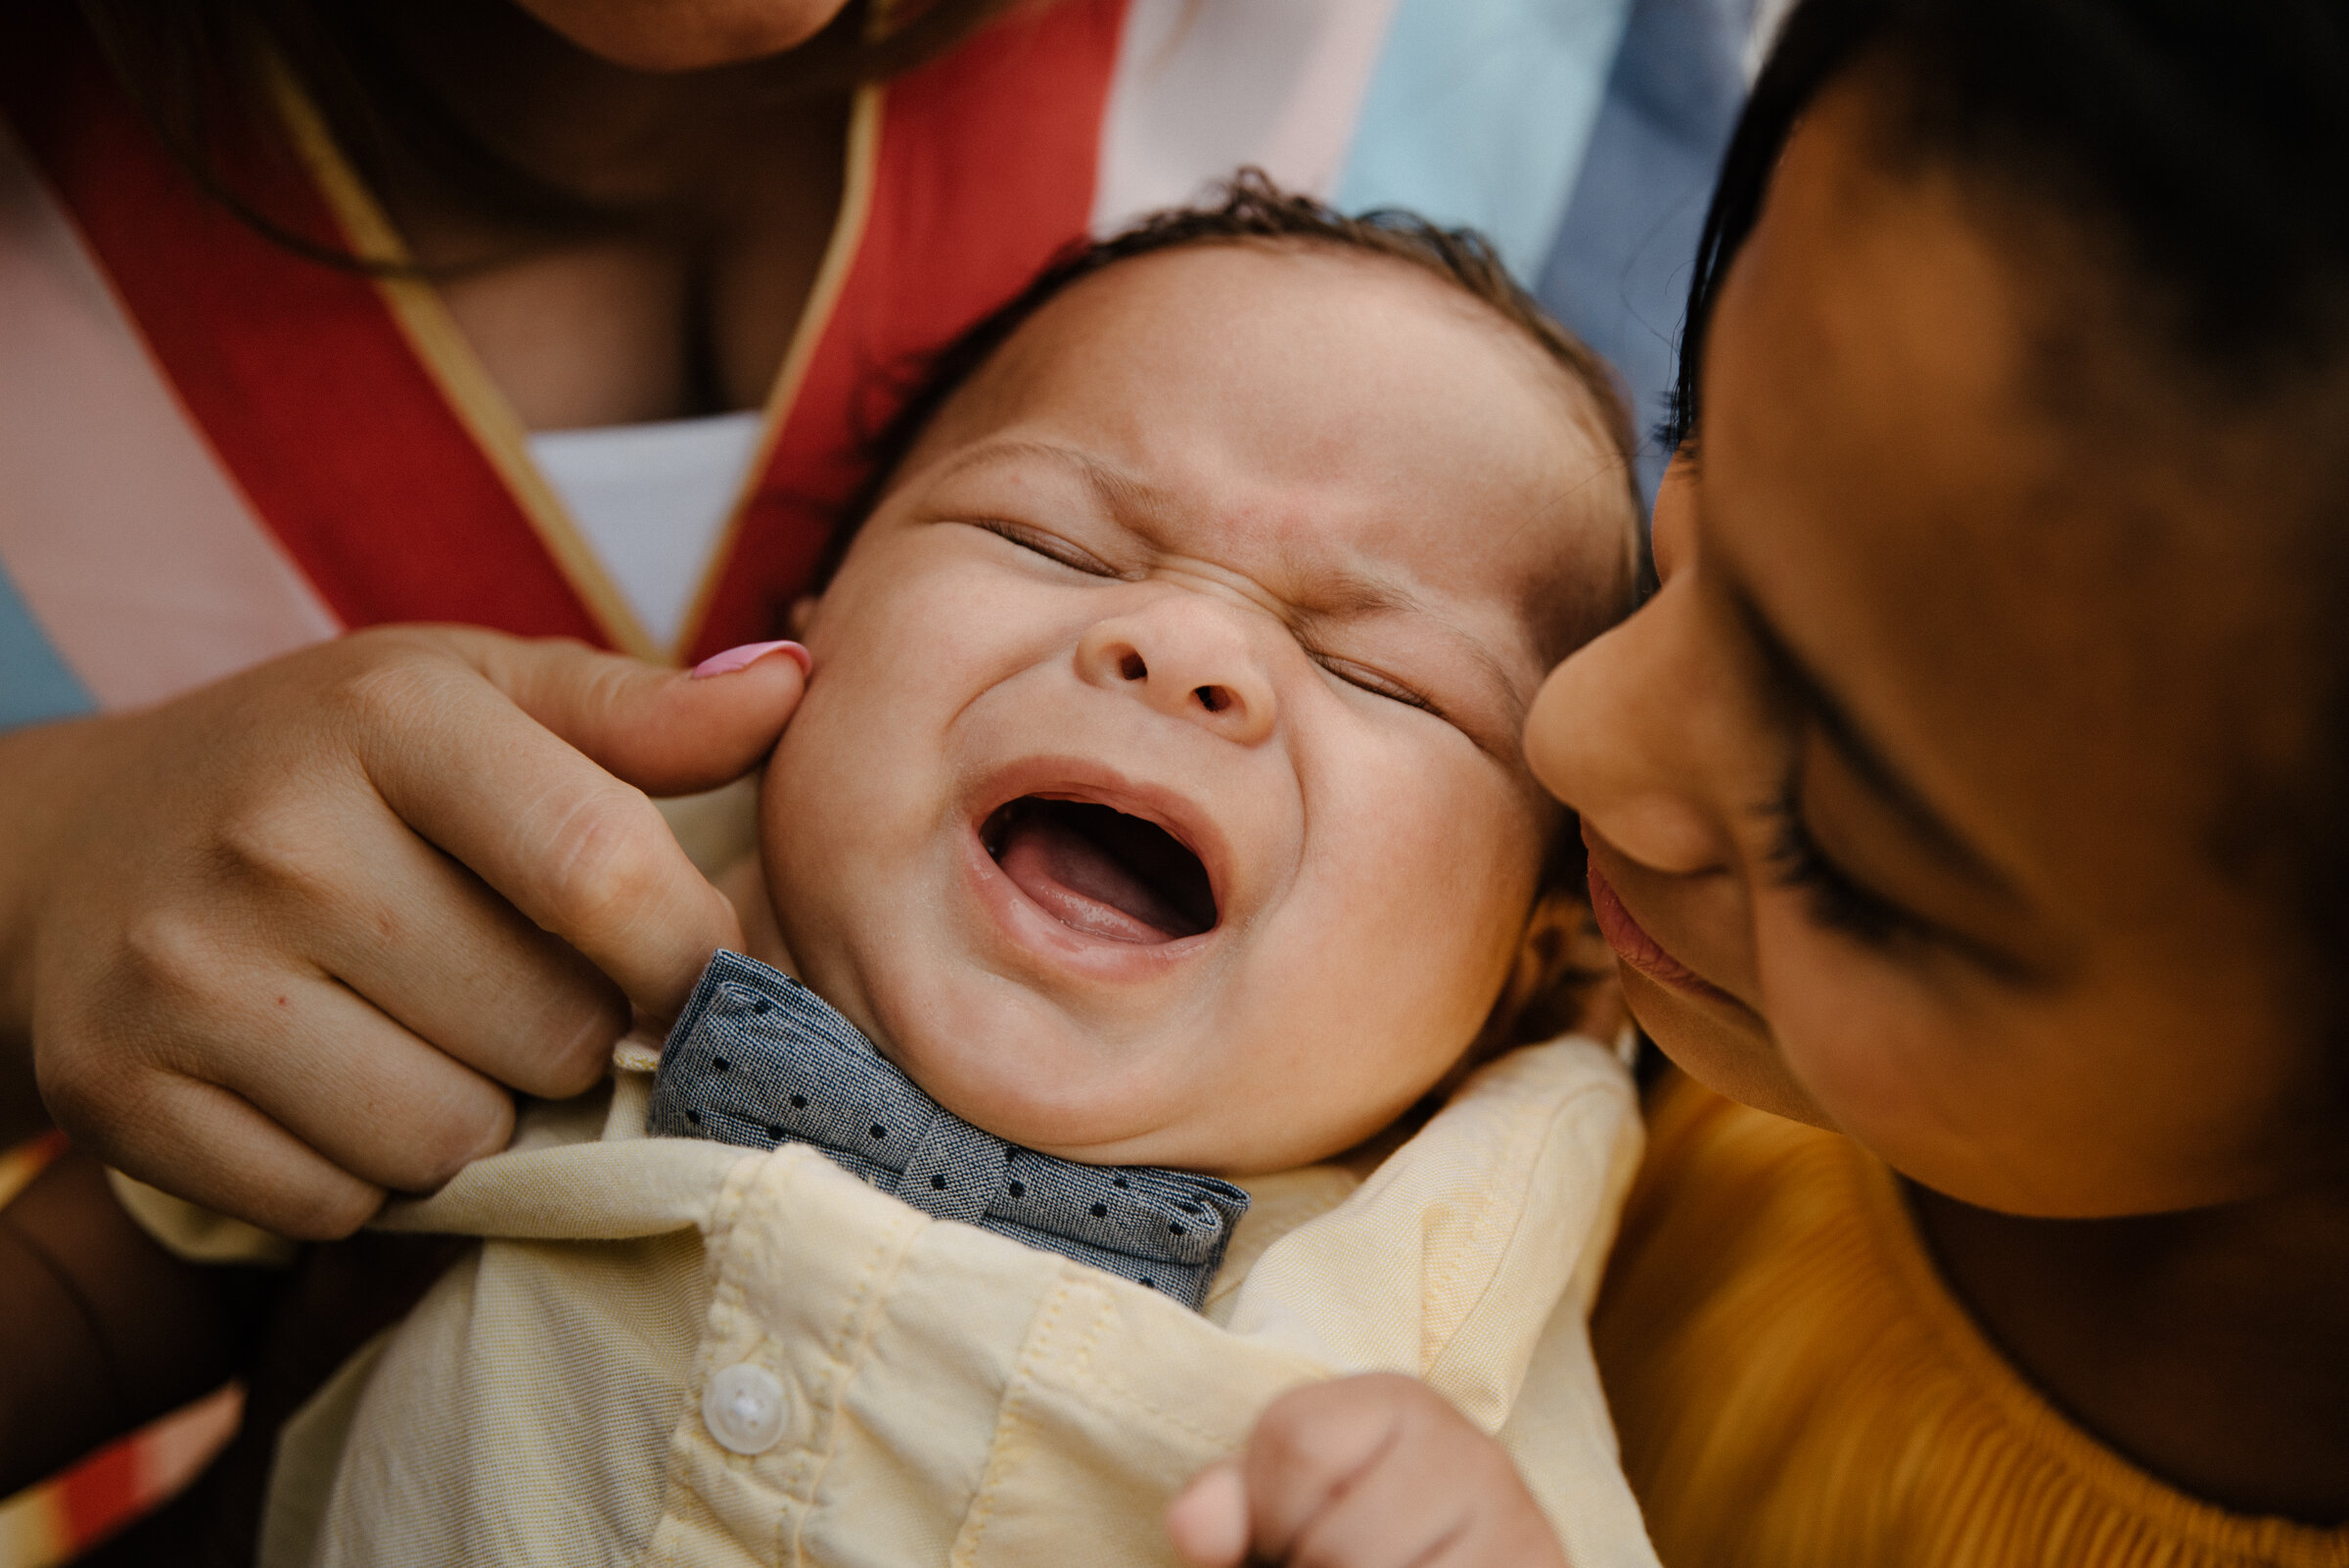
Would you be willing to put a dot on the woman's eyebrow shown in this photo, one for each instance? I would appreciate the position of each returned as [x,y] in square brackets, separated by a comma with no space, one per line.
[1859,750]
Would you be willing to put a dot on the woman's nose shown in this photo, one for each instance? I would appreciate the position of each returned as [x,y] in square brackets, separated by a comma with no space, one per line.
[1189,658]
[1616,732]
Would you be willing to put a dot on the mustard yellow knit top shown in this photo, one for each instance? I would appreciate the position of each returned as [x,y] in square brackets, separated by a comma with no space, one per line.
[1795,1388]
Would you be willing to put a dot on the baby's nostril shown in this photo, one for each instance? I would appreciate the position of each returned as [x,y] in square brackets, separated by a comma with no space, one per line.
[1132,668]
[1214,698]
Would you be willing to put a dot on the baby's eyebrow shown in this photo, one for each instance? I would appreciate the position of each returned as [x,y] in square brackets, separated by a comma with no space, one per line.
[1320,591]
[1335,593]
[1122,493]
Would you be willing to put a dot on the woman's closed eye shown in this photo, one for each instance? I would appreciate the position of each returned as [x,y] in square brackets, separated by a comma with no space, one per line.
[1838,901]
[1841,903]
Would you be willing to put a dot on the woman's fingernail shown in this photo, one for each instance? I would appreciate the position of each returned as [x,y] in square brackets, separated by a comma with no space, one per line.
[748,654]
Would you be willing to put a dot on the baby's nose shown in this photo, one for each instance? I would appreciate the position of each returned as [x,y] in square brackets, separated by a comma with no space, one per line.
[1188,656]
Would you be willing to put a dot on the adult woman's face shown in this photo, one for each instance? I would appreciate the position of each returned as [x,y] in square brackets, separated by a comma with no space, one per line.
[684,34]
[1902,795]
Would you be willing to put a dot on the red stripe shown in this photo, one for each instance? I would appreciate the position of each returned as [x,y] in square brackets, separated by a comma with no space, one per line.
[986,166]
[101,1494]
[296,372]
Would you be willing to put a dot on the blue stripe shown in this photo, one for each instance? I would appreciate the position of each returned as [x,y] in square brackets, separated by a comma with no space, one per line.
[1619,275]
[1479,112]
[34,682]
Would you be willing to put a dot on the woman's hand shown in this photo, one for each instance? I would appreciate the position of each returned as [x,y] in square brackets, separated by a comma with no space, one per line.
[286,943]
[1368,1472]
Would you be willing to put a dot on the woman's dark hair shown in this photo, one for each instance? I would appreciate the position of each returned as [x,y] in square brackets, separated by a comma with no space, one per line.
[200,73]
[2201,151]
[2211,137]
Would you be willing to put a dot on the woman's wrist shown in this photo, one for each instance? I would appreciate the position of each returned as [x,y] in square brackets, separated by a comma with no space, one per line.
[46,771]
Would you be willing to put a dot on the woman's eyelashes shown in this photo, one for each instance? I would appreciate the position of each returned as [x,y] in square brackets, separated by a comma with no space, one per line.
[1837,901]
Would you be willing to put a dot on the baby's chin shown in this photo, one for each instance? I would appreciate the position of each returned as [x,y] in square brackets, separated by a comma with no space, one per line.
[1059,1092]
[1172,1101]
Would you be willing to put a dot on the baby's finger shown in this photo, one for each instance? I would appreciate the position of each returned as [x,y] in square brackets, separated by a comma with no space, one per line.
[1209,1522]
[1391,1513]
[1439,1492]
[1309,1448]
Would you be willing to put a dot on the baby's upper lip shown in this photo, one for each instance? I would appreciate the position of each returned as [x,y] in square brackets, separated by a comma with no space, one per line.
[1077,778]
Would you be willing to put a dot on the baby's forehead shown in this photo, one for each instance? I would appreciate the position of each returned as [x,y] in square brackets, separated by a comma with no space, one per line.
[1361,424]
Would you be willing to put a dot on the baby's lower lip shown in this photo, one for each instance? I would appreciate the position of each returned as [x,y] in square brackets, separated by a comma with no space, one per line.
[1637,948]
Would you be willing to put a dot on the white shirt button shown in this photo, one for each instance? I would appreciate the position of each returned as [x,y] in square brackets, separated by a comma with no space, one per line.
[745,1408]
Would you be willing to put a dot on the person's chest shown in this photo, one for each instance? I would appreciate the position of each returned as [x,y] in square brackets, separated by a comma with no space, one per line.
[686,310]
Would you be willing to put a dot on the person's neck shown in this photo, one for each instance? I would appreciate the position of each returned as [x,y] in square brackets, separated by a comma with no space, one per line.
[2209,1347]
[633,139]
[708,200]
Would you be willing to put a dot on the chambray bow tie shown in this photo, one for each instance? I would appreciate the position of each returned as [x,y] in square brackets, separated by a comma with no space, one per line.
[758,1059]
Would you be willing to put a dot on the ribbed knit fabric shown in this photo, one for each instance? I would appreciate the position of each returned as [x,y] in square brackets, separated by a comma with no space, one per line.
[1795,1388]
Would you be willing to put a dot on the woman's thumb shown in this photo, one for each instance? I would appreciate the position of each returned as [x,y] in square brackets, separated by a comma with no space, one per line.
[665,731]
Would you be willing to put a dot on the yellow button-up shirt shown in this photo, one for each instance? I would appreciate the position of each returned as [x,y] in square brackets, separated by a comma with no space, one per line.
[669,1351]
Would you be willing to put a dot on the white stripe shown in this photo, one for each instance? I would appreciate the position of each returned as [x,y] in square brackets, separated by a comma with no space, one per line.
[1480,113]
[1205,86]
[133,547]
[653,500]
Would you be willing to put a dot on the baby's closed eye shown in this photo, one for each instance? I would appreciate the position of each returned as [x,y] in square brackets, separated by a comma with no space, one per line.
[1051,546]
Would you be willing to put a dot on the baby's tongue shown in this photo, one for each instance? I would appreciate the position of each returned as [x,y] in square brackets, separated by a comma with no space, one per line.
[1081,885]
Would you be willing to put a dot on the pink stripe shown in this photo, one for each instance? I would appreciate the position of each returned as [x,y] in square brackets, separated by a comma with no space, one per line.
[139,556]
[1204,87]
[172,1450]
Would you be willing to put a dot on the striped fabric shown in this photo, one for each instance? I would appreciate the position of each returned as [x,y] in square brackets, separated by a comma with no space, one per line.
[59,1519]
[52,1522]
[215,452]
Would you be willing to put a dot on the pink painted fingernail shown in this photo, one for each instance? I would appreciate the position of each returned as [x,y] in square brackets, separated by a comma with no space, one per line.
[748,654]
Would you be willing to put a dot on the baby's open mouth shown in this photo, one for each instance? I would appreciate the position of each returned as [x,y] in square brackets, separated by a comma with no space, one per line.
[1097,870]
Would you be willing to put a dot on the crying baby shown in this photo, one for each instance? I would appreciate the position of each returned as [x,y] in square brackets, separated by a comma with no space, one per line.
[1162,963]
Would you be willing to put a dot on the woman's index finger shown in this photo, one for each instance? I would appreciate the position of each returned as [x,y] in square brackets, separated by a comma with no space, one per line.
[580,853]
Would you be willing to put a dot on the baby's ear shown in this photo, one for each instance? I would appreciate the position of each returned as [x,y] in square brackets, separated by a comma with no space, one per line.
[802,611]
[1562,982]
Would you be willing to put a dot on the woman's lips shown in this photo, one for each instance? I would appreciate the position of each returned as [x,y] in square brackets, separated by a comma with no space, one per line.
[1637,948]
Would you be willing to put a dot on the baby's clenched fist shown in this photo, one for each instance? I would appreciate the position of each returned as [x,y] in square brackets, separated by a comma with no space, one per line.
[1368,1472]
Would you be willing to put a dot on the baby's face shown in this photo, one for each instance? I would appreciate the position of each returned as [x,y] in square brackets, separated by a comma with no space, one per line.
[1157,797]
